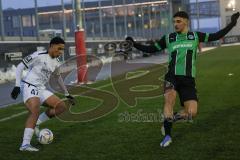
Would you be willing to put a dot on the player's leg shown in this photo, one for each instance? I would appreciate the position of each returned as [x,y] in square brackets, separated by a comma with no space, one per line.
[55,107]
[191,107]
[170,93]
[33,106]
[180,116]
[189,100]
[188,112]
[169,102]
[32,103]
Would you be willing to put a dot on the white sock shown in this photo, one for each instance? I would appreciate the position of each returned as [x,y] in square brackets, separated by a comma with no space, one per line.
[28,133]
[42,118]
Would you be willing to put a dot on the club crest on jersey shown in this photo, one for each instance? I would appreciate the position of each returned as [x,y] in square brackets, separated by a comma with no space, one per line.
[191,37]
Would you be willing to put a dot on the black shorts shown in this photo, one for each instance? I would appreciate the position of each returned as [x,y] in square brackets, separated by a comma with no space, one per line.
[185,87]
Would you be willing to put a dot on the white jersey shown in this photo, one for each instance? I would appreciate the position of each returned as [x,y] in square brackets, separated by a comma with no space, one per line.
[40,67]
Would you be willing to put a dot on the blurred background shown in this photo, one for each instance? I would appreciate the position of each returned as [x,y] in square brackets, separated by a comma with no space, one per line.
[107,19]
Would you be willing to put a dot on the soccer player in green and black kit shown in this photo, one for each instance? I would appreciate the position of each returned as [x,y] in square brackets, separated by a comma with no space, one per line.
[182,48]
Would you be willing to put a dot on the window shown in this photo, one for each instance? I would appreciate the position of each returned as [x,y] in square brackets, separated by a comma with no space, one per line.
[15,22]
[27,21]
[7,18]
[229,9]
[231,5]
[33,20]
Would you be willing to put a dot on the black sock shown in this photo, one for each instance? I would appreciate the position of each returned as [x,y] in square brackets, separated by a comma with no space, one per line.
[167,126]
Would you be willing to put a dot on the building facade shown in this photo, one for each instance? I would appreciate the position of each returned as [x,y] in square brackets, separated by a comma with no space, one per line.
[227,8]
[106,19]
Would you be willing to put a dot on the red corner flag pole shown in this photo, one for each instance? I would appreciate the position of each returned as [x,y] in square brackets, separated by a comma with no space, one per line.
[81,56]
[80,45]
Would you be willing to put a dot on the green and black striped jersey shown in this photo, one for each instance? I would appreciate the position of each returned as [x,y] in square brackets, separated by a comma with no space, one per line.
[182,49]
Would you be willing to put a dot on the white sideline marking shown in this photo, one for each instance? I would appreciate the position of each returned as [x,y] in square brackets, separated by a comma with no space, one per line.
[13,116]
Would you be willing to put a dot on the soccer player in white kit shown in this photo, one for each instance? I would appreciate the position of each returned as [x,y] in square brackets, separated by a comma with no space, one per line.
[40,66]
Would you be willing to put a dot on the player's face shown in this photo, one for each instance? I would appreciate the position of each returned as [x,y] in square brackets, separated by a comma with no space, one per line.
[57,50]
[180,24]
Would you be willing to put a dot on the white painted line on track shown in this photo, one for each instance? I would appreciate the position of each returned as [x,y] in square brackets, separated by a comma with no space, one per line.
[13,116]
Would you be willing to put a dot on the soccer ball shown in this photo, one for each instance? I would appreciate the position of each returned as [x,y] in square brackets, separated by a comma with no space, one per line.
[45,136]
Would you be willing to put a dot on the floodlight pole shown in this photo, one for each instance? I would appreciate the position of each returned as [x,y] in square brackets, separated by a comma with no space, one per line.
[36,19]
[2,24]
[80,45]
[170,14]
[21,27]
[64,20]
[100,18]
[73,15]
[198,15]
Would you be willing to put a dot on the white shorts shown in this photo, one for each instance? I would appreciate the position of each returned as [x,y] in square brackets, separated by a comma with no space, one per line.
[30,91]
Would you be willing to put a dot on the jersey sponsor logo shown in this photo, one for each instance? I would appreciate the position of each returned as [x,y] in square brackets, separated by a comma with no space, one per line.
[187,45]
[46,72]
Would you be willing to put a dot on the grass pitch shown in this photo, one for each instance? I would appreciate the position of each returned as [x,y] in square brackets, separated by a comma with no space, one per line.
[214,134]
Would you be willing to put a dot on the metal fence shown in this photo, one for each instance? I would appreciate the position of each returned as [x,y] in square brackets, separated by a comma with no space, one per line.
[102,19]
[105,19]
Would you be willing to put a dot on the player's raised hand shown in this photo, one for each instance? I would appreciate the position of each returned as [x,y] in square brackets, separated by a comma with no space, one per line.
[70,99]
[235,17]
[15,92]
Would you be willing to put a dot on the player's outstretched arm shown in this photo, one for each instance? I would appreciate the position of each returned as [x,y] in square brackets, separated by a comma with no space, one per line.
[16,90]
[157,46]
[203,37]
[64,88]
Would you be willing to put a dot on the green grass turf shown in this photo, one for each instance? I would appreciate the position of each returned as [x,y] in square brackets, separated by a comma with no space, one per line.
[214,134]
